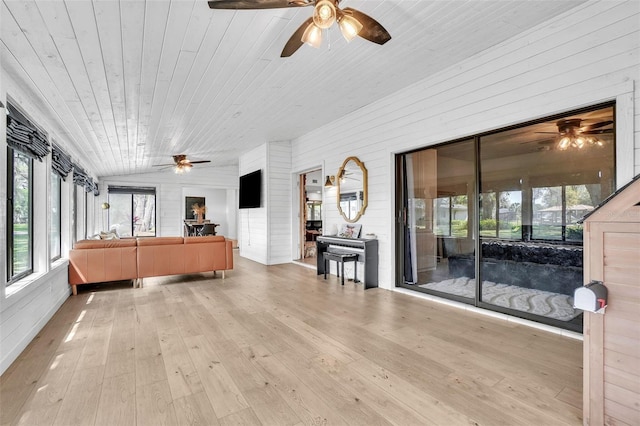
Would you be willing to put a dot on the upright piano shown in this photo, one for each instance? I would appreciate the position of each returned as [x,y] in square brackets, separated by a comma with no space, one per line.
[366,249]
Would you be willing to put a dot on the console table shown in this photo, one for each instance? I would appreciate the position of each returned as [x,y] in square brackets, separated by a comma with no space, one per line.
[366,249]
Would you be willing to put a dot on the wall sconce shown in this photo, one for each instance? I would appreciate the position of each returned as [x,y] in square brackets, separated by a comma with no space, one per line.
[330,180]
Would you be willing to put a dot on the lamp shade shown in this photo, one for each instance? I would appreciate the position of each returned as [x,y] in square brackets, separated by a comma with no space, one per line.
[349,27]
[312,36]
[324,14]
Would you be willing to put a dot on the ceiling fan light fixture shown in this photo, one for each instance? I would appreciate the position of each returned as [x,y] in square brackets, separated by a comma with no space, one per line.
[324,14]
[183,167]
[349,26]
[312,36]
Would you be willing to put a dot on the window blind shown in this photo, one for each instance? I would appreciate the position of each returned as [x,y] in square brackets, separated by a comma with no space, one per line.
[60,162]
[131,190]
[23,137]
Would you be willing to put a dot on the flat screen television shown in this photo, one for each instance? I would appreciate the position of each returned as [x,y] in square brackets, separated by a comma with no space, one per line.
[250,190]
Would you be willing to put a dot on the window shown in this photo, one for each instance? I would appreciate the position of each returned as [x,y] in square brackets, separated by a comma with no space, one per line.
[451,216]
[501,214]
[557,210]
[132,211]
[74,214]
[56,217]
[19,215]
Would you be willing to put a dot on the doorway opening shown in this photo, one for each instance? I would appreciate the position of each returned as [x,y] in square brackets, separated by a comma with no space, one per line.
[310,215]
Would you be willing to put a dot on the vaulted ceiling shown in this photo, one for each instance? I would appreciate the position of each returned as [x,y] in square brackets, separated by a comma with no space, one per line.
[132,82]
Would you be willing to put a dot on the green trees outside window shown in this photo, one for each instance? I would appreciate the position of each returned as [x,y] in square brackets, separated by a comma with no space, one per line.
[19,215]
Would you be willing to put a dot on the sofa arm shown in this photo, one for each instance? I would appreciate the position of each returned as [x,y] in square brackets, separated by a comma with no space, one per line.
[96,265]
[229,251]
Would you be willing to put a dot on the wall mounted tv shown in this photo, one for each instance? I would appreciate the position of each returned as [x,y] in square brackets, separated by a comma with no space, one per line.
[250,190]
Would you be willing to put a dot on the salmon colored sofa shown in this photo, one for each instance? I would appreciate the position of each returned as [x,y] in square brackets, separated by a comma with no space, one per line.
[95,261]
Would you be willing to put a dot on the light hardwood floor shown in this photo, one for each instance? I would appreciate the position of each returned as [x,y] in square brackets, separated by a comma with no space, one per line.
[281,346]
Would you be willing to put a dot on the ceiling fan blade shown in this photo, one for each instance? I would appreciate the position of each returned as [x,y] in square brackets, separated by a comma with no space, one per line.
[371,29]
[163,165]
[258,4]
[597,131]
[295,41]
[596,125]
[199,162]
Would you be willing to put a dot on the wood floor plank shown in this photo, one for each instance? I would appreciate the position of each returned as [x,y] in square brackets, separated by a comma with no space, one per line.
[384,403]
[154,405]
[182,375]
[245,417]
[351,408]
[224,395]
[279,345]
[80,402]
[195,409]
[299,395]
[117,405]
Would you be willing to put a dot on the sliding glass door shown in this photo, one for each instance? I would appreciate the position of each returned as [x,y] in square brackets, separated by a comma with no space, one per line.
[494,220]
[437,215]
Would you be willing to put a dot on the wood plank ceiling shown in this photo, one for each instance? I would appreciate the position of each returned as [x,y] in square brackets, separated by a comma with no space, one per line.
[135,81]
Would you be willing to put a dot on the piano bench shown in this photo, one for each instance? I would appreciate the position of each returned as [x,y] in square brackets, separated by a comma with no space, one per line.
[340,259]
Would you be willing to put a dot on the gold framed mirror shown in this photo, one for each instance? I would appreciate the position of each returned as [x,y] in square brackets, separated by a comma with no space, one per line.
[352,189]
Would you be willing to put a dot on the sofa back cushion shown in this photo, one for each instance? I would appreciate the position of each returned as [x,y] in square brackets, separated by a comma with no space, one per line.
[208,253]
[159,241]
[100,244]
[160,256]
[205,239]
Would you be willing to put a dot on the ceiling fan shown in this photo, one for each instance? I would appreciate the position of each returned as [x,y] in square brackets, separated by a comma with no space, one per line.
[182,164]
[351,21]
[572,134]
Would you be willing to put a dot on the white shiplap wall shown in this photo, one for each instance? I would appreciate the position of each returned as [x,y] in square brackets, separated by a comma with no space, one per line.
[265,233]
[279,203]
[252,224]
[26,306]
[540,72]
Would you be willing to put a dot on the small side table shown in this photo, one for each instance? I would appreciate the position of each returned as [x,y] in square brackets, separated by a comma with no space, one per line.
[340,259]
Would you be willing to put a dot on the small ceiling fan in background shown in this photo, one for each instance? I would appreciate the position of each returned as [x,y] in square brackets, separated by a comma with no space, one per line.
[352,22]
[182,164]
[572,134]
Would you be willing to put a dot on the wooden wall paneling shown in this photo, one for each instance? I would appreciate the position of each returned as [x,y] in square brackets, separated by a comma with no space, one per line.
[187,71]
[132,16]
[280,202]
[156,16]
[43,46]
[204,69]
[20,59]
[210,96]
[84,110]
[83,19]
[612,340]
[593,346]
[174,32]
[107,19]
[253,226]
[233,72]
